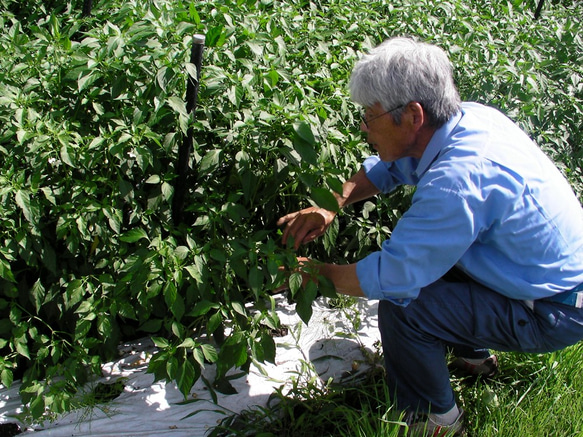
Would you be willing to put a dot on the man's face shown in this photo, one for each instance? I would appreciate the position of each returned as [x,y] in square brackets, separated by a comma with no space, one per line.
[392,141]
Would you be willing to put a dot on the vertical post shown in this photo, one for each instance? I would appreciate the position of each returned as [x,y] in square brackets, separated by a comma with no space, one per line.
[87,6]
[538,9]
[185,149]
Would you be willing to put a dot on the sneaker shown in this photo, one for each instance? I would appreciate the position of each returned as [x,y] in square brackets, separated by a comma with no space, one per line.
[487,368]
[424,425]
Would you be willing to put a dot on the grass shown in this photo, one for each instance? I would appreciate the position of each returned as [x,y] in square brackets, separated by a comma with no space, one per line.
[538,395]
[533,395]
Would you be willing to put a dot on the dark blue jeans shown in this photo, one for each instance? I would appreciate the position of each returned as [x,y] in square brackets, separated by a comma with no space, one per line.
[469,318]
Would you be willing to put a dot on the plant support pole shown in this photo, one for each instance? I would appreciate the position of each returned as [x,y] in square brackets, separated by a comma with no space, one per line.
[538,9]
[185,149]
[87,5]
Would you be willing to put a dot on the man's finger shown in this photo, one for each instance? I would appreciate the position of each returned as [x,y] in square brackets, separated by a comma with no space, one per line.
[312,236]
[286,218]
[298,229]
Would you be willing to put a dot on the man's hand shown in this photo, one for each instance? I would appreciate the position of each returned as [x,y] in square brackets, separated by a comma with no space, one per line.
[304,267]
[306,225]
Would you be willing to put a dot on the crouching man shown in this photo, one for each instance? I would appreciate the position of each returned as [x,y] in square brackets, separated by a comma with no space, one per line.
[490,252]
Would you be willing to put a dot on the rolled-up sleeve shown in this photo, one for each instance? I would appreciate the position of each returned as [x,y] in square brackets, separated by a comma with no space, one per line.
[386,176]
[428,240]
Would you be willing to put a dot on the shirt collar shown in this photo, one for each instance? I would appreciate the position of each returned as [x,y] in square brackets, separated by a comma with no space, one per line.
[436,144]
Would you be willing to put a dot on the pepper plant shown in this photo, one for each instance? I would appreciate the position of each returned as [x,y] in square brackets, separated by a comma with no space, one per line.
[92,113]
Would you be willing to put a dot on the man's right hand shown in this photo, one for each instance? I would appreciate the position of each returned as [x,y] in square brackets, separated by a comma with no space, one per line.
[305,225]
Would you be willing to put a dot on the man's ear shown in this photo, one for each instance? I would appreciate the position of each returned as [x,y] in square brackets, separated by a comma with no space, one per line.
[416,114]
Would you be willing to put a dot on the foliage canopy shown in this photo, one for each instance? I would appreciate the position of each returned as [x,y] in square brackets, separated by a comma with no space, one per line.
[92,114]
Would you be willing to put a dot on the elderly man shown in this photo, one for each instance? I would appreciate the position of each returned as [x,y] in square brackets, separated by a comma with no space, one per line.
[490,252]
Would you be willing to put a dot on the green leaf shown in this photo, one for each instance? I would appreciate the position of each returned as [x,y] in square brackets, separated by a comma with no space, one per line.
[306,151]
[181,252]
[335,184]
[37,407]
[202,307]
[178,105]
[82,328]
[162,77]
[209,352]
[22,348]
[304,299]
[172,367]
[74,293]
[239,308]
[5,271]
[325,199]
[6,377]
[222,385]
[186,376]
[66,156]
[255,280]
[304,131]
[104,326]
[152,326]
[194,272]
[214,322]
[191,70]
[326,287]
[210,161]
[214,36]
[198,357]
[233,353]
[170,293]
[264,348]
[161,342]
[84,82]
[167,191]
[295,282]
[154,179]
[29,209]
[178,308]
[37,294]
[178,329]
[134,235]
[157,365]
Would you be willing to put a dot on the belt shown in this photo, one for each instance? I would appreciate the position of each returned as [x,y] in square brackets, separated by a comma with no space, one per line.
[573,297]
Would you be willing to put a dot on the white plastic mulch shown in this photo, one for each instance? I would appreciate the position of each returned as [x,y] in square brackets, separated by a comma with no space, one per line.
[332,345]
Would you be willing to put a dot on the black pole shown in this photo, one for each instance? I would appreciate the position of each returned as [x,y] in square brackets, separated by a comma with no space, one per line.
[185,149]
[87,6]
[538,9]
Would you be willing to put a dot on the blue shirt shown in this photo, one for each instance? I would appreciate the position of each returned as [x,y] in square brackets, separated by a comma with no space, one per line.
[489,201]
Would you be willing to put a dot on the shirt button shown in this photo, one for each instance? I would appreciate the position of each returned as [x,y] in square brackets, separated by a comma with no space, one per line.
[522,322]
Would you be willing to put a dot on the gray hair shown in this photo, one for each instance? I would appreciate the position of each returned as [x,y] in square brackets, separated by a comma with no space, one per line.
[402,70]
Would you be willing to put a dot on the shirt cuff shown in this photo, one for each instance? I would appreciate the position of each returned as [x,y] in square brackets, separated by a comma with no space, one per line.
[367,272]
[377,172]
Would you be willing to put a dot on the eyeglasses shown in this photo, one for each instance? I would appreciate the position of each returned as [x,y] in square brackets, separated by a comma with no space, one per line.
[366,122]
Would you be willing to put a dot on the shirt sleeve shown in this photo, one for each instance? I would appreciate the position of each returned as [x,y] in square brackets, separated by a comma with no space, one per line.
[386,176]
[428,240]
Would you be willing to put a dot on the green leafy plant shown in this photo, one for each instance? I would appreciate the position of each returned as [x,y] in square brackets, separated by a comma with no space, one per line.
[92,113]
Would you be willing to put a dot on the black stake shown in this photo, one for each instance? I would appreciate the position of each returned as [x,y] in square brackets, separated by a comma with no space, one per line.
[87,6]
[538,9]
[185,149]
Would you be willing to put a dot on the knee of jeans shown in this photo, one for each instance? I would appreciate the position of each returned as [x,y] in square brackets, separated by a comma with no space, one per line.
[391,316]
[385,311]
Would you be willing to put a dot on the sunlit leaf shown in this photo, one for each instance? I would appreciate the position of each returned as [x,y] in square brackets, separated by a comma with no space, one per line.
[325,199]
[134,235]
